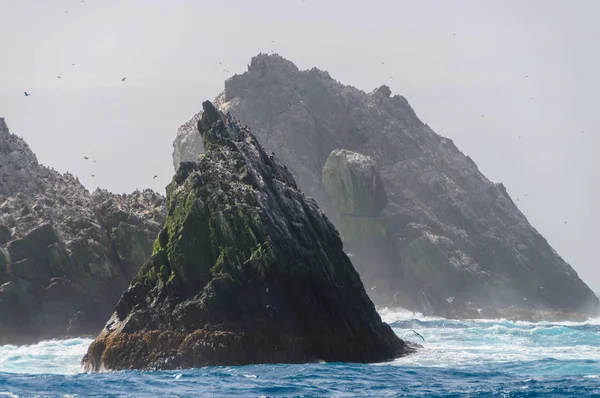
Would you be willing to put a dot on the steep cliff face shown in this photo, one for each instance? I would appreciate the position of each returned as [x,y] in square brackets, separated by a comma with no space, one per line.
[65,255]
[452,237]
[246,270]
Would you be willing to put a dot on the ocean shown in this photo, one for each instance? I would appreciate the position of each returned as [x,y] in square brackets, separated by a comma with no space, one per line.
[467,358]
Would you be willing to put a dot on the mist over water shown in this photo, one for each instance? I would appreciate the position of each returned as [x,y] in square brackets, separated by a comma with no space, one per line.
[458,358]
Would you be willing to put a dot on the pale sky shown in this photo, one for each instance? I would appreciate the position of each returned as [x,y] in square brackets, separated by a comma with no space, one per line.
[453,60]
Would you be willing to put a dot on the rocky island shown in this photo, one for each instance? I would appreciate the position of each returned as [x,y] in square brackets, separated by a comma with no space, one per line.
[65,255]
[423,226]
[246,270]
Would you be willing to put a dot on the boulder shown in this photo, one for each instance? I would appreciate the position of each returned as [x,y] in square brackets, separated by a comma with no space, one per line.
[353,183]
[245,270]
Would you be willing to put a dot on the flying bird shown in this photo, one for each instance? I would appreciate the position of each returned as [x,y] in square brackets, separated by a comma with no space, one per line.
[59,77]
[526,76]
[72,64]
[85,157]
[418,335]
[93,175]
[123,79]
[481,115]
[154,177]
[27,94]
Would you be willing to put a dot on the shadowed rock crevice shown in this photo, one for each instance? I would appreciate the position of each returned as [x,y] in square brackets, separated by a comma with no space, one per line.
[245,270]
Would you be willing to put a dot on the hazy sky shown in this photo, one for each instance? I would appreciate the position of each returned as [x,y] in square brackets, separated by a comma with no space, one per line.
[453,60]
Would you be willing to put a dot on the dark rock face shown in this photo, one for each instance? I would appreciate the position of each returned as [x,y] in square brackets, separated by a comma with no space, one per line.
[65,255]
[245,270]
[451,239]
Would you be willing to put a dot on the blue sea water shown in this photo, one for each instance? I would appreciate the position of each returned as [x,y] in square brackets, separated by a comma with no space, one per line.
[495,358]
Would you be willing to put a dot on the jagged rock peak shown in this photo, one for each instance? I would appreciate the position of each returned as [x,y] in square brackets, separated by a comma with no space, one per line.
[3,126]
[274,62]
[18,164]
[382,90]
[245,270]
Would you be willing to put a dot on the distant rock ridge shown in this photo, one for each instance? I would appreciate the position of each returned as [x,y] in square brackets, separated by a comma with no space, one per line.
[452,241]
[65,255]
[245,270]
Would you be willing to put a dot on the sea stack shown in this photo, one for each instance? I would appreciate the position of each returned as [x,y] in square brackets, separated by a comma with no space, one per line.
[246,270]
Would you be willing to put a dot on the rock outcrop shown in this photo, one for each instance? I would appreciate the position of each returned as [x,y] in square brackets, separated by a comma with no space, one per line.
[246,270]
[355,190]
[65,255]
[452,241]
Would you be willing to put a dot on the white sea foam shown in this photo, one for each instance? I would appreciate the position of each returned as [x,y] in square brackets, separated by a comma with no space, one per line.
[46,357]
[390,315]
[464,343]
